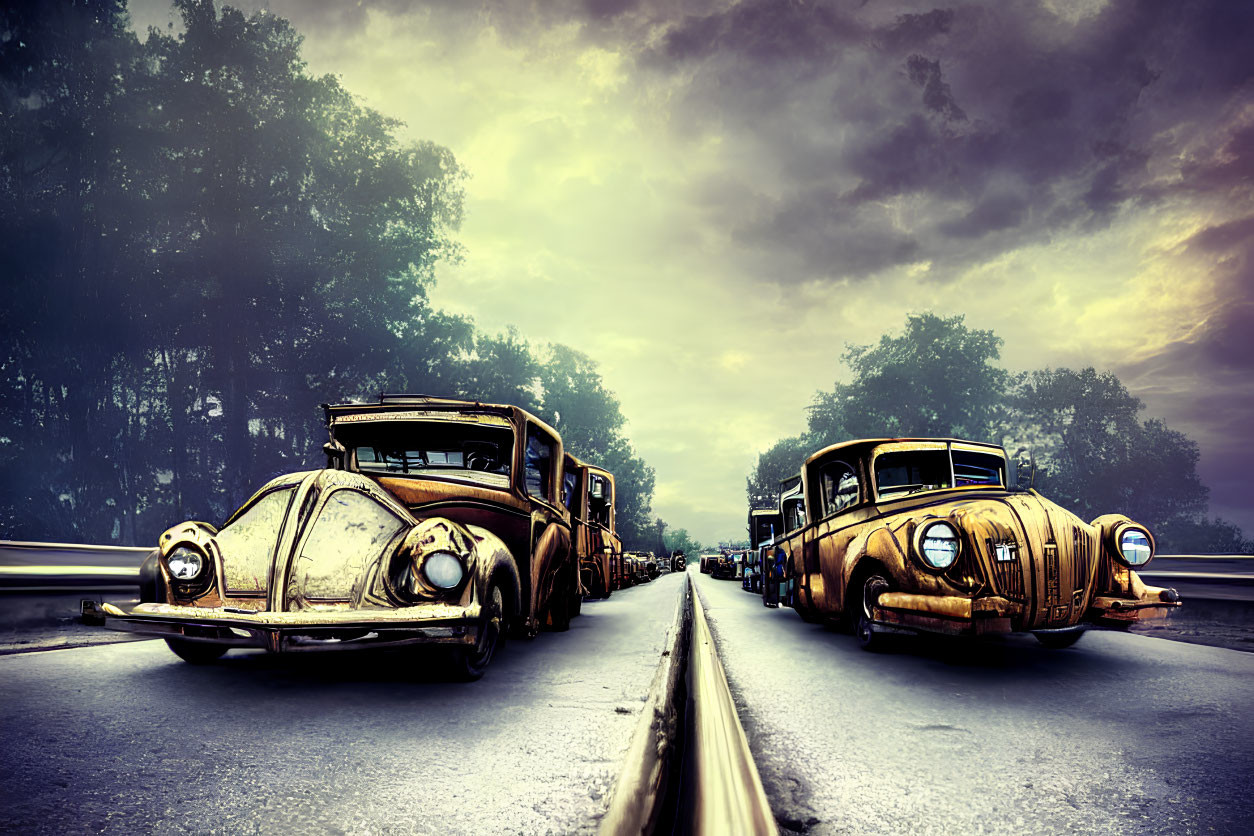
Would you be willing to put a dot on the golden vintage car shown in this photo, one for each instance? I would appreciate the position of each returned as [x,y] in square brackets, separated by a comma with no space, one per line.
[927,535]
[588,493]
[436,522]
[640,564]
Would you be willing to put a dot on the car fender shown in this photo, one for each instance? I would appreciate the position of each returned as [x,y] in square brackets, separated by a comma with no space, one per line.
[550,554]
[879,544]
[494,559]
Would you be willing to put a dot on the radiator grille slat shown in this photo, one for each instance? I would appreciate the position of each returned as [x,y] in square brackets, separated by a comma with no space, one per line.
[1007,574]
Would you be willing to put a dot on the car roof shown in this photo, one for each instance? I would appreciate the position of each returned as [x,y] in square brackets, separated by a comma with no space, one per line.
[428,403]
[860,446]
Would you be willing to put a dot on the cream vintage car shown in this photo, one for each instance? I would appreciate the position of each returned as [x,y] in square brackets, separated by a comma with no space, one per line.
[927,535]
[437,522]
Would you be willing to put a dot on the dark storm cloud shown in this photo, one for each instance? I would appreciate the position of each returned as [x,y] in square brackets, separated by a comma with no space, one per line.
[943,132]
[936,93]
[992,116]
[761,32]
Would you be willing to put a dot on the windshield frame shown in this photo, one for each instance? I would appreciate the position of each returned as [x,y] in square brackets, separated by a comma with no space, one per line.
[491,480]
[948,447]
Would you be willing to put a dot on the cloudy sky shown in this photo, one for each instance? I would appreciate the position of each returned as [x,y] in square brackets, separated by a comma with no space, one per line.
[712,197]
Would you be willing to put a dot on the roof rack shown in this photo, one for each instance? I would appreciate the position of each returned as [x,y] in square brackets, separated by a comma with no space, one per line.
[387,397]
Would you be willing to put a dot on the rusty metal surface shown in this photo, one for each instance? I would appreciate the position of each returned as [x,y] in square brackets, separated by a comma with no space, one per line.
[730,798]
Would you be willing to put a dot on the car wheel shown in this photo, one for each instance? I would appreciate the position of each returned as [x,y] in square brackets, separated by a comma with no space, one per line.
[196,653]
[808,615]
[868,638]
[1057,641]
[466,664]
[559,604]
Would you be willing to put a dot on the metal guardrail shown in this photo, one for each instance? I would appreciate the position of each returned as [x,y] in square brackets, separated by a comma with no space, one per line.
[730,798]
[68,567]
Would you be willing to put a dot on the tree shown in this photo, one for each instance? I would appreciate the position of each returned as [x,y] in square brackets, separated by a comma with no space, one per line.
[678,539]
[781,461]
[501,369]
[939,378]
[1095,455]
[576,403]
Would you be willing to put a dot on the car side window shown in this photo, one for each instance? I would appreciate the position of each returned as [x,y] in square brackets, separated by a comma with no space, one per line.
[794,514]
[840,486]
[599,499]
[539,464]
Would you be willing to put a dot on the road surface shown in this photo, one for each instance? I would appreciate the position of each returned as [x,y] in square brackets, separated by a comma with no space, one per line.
[126,738]
[1119,734]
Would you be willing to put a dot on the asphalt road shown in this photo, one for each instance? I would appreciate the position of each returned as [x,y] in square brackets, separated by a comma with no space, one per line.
[1119,734]
[126,738]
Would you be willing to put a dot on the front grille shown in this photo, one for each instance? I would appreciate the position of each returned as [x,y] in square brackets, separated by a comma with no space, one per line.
[1007,574]
[1082,555]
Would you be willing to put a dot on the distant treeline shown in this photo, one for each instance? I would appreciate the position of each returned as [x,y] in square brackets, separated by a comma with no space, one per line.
[202,242]
[1094,455]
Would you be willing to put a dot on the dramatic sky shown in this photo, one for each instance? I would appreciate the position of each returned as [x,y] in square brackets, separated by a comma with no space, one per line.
[712,197]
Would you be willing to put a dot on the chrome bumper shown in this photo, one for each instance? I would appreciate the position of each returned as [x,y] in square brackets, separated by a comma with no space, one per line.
[956,615]
[285,632]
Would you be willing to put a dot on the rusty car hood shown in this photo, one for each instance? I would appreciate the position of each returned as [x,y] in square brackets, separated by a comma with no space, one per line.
[295,563]
[1018,545]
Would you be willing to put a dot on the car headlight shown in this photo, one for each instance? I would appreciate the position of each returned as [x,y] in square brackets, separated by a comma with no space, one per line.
[185,563]
[443,570]
[1135,547]
[938,545]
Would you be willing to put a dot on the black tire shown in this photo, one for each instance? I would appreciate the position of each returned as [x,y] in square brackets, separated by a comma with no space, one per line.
[868,638]
[1058,641]
[197,653]
[560,604]
[467,664]
[808,615]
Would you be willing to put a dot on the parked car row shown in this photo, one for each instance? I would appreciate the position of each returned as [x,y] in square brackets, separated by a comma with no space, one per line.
[928,535]
[435,522]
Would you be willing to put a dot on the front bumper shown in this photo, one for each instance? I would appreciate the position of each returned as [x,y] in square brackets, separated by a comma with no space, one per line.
[308,630]
[993,615]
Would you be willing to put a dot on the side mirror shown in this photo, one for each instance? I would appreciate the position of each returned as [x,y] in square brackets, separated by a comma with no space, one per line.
[1025,469]
[335,455]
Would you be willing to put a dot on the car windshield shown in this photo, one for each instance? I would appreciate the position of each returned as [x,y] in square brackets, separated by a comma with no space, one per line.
[914,471]
[447,450]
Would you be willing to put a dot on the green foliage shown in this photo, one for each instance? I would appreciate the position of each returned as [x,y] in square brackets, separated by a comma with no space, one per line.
[781,462]
[576,403]
[679,540]
[1094,453]
[936,379]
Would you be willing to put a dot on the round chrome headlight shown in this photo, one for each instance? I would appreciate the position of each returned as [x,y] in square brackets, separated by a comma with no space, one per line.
[1135,547]
[443,570]
[185,563]
[938,545]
